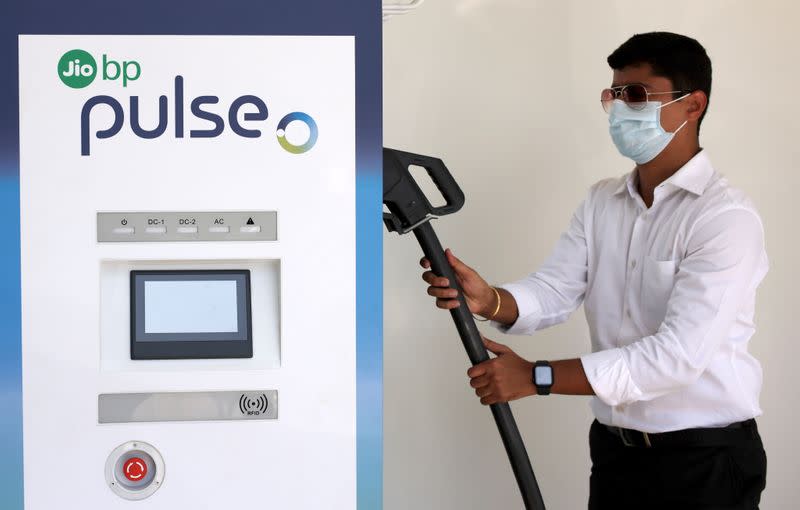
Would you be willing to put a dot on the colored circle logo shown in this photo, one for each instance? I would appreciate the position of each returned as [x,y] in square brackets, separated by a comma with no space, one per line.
[312,135]
[77,69]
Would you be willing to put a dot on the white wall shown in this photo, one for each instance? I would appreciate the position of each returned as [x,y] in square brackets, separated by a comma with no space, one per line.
[507,93]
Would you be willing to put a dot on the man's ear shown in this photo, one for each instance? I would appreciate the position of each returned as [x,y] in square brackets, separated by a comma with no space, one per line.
[696,104]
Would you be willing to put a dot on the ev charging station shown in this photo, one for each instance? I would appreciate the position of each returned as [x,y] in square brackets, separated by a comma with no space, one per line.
[188,271]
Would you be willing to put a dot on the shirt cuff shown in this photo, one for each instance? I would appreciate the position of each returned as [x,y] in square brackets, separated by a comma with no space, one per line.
[610,377]
[528,308]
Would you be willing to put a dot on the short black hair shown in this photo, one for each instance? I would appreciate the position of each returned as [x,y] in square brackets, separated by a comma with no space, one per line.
[681,59]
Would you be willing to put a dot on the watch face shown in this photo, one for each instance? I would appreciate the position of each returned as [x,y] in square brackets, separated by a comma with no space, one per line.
[543,376]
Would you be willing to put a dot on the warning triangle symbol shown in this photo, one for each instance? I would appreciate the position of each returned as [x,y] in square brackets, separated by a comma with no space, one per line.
[250,221]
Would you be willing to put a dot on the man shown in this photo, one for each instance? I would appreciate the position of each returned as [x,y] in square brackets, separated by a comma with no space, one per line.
[666,261]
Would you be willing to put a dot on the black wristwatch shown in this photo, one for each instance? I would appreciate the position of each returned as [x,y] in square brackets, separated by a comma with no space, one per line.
[543,377]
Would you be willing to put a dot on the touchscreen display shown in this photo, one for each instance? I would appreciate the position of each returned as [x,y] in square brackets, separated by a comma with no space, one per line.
[190,306]
[544,376]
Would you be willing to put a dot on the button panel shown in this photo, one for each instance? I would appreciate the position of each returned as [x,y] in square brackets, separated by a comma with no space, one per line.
[187,226]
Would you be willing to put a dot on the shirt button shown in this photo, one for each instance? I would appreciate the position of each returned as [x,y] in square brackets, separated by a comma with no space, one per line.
[629,314]
[633,263]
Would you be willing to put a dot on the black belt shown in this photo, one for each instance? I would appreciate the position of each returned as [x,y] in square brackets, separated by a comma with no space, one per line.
[722,436]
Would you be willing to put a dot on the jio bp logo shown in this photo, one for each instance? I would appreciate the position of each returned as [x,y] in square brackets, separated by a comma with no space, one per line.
[77,69]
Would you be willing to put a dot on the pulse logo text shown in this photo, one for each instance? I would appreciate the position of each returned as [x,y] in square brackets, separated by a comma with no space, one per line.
[78,69]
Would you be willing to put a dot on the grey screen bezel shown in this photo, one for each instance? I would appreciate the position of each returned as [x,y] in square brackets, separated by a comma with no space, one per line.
[237,344]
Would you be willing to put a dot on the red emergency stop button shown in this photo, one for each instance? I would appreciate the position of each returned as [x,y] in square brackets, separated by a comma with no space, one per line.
[134,469]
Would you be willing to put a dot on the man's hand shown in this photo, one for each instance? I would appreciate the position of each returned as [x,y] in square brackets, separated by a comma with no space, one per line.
[502,379]
[480,297]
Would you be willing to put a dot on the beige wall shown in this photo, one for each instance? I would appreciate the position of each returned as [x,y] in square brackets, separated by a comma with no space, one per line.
[507,93]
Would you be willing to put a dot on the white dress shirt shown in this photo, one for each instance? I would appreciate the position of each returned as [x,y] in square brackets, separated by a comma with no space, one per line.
[669,294]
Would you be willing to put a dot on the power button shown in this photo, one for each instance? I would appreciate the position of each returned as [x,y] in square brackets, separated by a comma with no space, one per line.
[135,469]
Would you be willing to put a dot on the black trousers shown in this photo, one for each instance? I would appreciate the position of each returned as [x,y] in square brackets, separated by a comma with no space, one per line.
[729,477]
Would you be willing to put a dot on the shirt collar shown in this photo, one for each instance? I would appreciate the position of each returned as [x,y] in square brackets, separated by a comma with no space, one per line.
[693,176]
[626,182]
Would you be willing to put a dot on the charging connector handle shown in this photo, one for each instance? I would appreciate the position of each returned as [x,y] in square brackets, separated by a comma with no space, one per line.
[408,206]
[396,169]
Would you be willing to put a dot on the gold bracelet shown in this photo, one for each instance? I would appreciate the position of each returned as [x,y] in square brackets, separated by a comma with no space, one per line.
[499,301]
[496,310]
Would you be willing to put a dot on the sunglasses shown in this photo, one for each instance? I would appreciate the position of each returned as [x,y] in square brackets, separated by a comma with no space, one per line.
[634,95]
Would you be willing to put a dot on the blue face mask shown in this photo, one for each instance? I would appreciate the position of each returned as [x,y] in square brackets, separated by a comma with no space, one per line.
[638,133]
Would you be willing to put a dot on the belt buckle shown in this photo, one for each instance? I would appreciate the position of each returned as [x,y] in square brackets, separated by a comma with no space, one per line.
[627,441]
[623,434]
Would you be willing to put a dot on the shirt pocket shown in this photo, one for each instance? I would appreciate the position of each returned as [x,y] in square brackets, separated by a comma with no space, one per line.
[658,279]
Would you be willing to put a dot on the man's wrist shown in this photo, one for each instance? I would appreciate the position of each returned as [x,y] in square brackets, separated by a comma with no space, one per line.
[532,386]
[491,301]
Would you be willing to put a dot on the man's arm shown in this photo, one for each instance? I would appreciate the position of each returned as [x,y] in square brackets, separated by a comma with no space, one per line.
[542,299]
[509,377]
[548,296]
[711,284]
